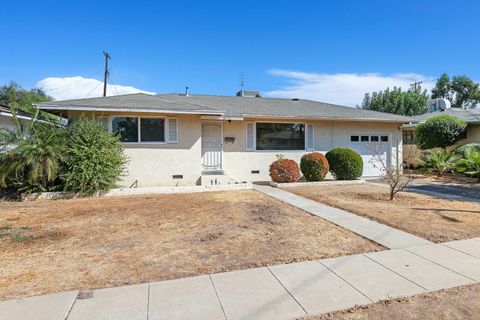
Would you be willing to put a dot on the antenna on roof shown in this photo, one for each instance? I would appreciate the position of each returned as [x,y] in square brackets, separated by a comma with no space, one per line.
[242,80]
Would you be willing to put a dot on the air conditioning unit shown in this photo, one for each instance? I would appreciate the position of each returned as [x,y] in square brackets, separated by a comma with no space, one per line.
[439,104]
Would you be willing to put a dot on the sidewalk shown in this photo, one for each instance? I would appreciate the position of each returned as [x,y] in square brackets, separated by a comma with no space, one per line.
[387,236]
[276,292]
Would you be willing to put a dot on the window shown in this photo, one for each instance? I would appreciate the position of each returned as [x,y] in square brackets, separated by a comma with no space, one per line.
[126,127]
[384,138]
[149,130]
[152,130]
[364,139]
[354,138]
[374,138]
[280,136]
[408,137]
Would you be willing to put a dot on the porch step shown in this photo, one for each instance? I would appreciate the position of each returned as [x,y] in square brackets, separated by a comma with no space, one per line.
[214,178]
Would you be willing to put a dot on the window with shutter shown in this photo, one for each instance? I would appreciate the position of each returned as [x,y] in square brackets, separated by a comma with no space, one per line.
[250,145]
[309,141]
[172,130]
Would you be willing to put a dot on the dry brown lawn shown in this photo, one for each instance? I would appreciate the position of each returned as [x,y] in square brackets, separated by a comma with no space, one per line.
[92,243]
[431,218]
[456,303]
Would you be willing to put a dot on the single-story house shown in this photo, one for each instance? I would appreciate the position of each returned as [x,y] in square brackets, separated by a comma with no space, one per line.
[436,107]
[188,139]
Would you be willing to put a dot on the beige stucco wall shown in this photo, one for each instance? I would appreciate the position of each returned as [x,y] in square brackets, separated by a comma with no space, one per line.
[240,163]
[153,164]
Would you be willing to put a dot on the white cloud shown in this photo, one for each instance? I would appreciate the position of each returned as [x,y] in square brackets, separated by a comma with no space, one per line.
[341,88]
[79,87]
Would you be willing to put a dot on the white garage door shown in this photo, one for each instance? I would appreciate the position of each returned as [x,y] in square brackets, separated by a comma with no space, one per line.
[371,147]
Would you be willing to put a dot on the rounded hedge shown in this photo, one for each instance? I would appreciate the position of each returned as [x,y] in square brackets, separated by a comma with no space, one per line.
[314,166]
[284,170]
[439,132]
[345,164]
[463,150]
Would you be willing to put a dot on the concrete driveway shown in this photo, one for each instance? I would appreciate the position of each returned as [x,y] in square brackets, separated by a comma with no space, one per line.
[444,189]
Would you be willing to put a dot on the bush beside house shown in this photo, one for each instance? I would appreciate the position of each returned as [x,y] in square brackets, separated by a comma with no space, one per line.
[81,158]
[314,166]
[284,170]
[439,132]
[345,164]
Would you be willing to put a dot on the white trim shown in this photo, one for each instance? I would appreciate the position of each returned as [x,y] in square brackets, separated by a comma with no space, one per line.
[167,130]
[307,132]
[253,147]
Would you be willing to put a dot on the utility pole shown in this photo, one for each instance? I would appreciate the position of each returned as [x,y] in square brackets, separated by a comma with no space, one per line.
[414,85]
[105,78]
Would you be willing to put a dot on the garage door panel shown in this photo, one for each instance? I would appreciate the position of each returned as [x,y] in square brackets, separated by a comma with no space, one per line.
[370,149]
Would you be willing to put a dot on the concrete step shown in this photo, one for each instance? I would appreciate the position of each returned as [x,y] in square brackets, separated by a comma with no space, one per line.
[214,178]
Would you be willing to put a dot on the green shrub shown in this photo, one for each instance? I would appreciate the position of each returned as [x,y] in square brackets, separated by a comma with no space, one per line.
[440,161]
[314,166]
[94,158]
[284,170]
[470,164]
[345,164]
[439,132]
[470,147]
[32,163]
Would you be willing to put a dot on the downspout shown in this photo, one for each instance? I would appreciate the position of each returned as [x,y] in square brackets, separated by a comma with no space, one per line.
[399,136]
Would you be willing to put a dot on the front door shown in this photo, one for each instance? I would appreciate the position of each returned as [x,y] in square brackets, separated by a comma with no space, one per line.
[212,145]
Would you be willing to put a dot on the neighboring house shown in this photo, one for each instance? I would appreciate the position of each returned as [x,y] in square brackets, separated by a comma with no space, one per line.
[7,120]
[178,139]
[436,107]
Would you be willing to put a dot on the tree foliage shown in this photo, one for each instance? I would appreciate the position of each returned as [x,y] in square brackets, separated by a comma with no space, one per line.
[462,91]
[439,132]
[470,164]
[14,95]
[408,103]
[31,159]
[94,158]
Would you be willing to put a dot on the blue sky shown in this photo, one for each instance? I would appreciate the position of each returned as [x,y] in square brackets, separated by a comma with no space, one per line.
[324,50]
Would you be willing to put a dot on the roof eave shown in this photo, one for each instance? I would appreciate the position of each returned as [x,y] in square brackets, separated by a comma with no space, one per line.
[326,118]
[116,109]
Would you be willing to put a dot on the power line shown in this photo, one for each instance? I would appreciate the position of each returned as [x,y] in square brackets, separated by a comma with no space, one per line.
[98,85]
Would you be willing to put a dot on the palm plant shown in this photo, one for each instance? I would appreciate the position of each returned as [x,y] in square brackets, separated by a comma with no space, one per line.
[470,165]
[30,159]
[440,162]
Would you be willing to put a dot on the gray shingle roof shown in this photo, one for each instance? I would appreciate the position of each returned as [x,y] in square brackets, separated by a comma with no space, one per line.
[469,115]
[229,106]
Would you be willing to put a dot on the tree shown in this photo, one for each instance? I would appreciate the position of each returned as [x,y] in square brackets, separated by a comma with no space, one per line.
[461,91]
[14,95]
[31,160]
[439,132]
[408,103]
[442,87]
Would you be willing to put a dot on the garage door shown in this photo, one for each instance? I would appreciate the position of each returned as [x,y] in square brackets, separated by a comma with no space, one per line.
[369,146]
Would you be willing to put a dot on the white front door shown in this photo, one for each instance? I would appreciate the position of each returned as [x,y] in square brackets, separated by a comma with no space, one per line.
[212,145]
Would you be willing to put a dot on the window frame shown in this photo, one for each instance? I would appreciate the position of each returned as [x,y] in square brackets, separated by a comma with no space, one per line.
[165,128]
[305,124]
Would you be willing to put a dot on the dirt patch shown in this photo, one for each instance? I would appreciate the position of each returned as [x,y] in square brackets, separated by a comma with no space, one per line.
[456,303]
[437,220]
[93,243]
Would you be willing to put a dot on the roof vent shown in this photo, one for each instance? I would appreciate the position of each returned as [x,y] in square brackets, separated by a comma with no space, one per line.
[439,104]
[248,93]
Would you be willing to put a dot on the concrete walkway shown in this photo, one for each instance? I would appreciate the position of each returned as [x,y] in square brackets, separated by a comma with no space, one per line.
[277,292]
[387,236]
